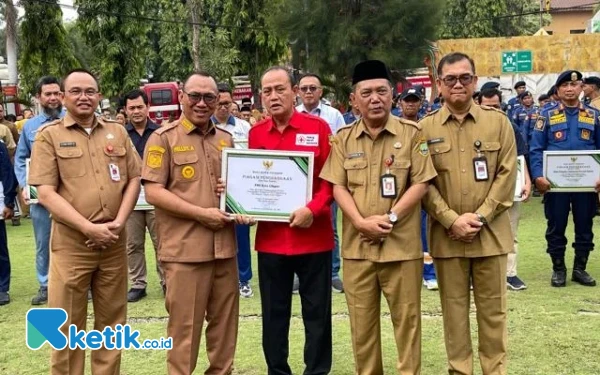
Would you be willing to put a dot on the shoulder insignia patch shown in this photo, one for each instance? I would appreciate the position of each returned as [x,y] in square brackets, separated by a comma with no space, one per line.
[423,148]
[155,157]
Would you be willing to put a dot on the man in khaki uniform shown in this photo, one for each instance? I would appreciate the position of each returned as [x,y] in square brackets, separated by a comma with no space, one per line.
[182,165]
[473,150]
[87,174]
[7,138]
[381,250]
[11,126]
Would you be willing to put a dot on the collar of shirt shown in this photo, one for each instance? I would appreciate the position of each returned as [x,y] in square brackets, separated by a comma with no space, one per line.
[447,115]
[361,128]
[189,127]
[295,122]
[150,125]
[230,120]
[315,112]
[69,121]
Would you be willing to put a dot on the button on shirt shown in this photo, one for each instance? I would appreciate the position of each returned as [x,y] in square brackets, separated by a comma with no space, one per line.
[455,192]
[139,141]
[279,238]
[186,160]
[25,145]
[332,116]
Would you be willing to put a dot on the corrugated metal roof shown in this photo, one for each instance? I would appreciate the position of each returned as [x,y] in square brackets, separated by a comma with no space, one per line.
[575,5]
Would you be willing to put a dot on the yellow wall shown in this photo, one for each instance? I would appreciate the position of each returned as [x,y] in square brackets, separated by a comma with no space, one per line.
[562,23]
[551,54]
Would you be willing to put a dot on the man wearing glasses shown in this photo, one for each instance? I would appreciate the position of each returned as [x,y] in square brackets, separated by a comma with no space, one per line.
[182,165]
[473,151]
[239,129]
[567,125]
[311,92]
[87,174]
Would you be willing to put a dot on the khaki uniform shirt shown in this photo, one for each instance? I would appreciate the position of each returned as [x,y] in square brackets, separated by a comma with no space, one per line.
[13,129]
[85,168]
[595,103]
[455,192]
[187,162]
[7,137]
[357,162]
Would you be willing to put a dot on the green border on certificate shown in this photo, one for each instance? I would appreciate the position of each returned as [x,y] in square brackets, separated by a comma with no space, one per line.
[572,171]
[267,185]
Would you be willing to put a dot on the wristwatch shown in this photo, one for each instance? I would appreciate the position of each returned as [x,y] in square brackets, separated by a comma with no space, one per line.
[393,218]
[482,219]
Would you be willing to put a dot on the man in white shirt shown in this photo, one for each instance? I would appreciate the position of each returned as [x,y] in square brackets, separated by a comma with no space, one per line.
[239,129]
[311,91]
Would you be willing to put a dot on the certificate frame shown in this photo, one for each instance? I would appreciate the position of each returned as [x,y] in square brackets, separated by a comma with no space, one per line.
[520,179]
[303,161]
[30,191]
[556,186]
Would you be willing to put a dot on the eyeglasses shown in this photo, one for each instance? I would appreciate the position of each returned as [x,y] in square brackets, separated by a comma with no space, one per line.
[79,92]
[465,80]
[224,105]
[196,98]
[311,88]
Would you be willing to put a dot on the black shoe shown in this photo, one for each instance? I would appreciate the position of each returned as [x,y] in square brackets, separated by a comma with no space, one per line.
[16,222]
[164,288]
[514,283]
[4,298]
[559,276]
[579,274]
[41,298]
[135,295]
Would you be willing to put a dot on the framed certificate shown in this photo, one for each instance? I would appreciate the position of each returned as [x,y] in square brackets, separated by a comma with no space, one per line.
[241,143]
[572,171]
[141,204]
[520,179]
[267,185]
[30,191]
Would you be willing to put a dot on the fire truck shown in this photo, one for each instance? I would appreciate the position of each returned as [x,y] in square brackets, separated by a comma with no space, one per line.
[163,101]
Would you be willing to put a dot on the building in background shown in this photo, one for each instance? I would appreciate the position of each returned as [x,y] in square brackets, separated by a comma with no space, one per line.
[570,16]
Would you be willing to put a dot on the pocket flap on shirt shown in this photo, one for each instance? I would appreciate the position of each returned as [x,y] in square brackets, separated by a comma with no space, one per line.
[69,153]
[116,151]
[442,148]
[401,164]
[355,164]
[557,127]
[490,146]
[181,158]
[589,127]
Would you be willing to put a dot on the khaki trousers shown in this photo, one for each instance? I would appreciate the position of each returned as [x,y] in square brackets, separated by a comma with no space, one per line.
[136,248]
[489,290]
[196,291]
[73,269]
[515,214]
[400,282]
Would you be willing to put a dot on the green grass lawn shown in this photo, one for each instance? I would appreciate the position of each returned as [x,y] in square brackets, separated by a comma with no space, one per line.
[551,331]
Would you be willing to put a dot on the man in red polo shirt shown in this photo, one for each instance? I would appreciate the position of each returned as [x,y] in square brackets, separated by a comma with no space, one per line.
[302,246]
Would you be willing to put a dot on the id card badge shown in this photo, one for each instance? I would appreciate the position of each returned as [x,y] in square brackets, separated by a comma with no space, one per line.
[388,186]
[114,172]
[480,167]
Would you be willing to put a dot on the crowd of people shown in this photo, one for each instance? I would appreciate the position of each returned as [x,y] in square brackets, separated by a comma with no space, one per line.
[447,173]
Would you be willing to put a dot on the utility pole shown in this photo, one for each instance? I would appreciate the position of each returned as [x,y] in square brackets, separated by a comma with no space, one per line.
[10,16]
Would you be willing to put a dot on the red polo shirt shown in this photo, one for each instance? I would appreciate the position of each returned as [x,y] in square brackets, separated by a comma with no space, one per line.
[279,238]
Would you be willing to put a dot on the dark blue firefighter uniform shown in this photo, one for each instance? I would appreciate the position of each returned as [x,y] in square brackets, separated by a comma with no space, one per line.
[9,184]
[560,128]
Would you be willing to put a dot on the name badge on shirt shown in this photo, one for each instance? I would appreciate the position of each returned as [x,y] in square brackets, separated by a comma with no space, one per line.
[114,172]
[307,139]
[388,186]
[481,168]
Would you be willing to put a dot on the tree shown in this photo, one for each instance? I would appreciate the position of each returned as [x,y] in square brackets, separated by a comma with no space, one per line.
[260,46]
[330,37]
[118,31]
[44,45]
[82,51]
[10,17]
[490,18]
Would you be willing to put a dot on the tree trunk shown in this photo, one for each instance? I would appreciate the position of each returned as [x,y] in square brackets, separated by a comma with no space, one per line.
[11,41]
[195,12]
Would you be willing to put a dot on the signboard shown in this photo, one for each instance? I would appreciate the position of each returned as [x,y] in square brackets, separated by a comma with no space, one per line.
[241,92]
[517,62]
[9,90]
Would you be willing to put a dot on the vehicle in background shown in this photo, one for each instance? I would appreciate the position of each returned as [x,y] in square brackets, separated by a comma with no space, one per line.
[163,101]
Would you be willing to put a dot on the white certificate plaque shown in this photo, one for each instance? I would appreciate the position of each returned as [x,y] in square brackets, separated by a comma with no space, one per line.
[267,185]
[572,171]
